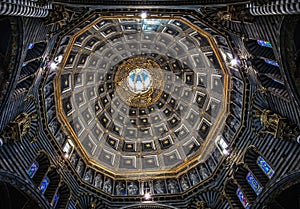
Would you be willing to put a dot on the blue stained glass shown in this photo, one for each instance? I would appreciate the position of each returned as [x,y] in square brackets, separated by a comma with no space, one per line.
[265,167]
[264,43]
[55,200]
[242,198]
[30,46]
[254,183]
[277,81]
[145,77]
[271,62]
[32,170]
[44,184]
[138,78]
[132,76]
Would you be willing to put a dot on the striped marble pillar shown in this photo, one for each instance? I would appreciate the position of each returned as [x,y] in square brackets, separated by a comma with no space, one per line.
[24,8]
[278,7]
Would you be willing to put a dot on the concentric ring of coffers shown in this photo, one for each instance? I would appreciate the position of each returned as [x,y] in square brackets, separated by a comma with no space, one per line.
[191,99]
[151,132]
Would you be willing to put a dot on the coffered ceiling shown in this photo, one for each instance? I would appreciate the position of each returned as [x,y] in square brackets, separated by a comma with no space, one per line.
[143,97]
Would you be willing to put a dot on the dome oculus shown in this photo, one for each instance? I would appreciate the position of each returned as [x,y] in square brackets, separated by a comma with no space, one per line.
[139,80]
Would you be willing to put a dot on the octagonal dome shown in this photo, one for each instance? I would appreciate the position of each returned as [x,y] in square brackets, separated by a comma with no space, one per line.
[142,96]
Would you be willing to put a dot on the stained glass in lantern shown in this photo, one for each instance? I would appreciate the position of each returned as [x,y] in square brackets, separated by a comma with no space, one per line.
[264,43]
[139,80]
[242,198]
[32,170]
[44,184]
[254,183]
[265,167]
[271,62]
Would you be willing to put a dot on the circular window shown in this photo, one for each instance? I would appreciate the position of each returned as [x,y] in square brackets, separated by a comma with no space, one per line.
[139,80]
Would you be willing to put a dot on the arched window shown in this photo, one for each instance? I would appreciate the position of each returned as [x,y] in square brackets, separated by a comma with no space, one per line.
[264,43]
[272,84]
[264,68]
[64,196]
[48,181]
[247,183]
[25,84]
[271,62]
[260,49]
[258,166]
[242,198]
[30,46]
[55,200]
[277,81]
[29,69]
[35,50]
[53,184]
[44,184]
[255,185]
[44,164]
[33,168]
[265,167]
[236,195]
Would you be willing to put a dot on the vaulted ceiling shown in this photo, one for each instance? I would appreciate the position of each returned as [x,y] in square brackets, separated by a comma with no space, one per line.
[143,97]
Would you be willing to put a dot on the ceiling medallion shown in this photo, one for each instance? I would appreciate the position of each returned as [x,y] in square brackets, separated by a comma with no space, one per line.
[139,81]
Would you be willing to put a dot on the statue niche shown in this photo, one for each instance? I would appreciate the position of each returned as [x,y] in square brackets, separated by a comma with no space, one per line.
[234,14]
[60,14]
[277,125]
[19,127]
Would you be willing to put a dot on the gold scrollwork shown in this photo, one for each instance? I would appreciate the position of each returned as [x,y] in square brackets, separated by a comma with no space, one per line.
[142,99]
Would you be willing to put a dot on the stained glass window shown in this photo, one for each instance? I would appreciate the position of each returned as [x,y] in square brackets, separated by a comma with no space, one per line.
[277,81]
[271,62]
[31,45]
[32,170]
[242,198]
[264,43]
[254,183]
[44,184]
[139,80]
[55,200]
[265,167]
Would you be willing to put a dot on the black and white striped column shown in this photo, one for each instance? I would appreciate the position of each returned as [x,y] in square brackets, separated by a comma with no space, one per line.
[278,7]
[24,8]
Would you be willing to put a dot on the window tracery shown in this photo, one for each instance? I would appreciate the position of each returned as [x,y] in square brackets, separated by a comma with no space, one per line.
[265,167]
[264,43]
[33,168]
[255,185]
[242,198]
[44,184]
